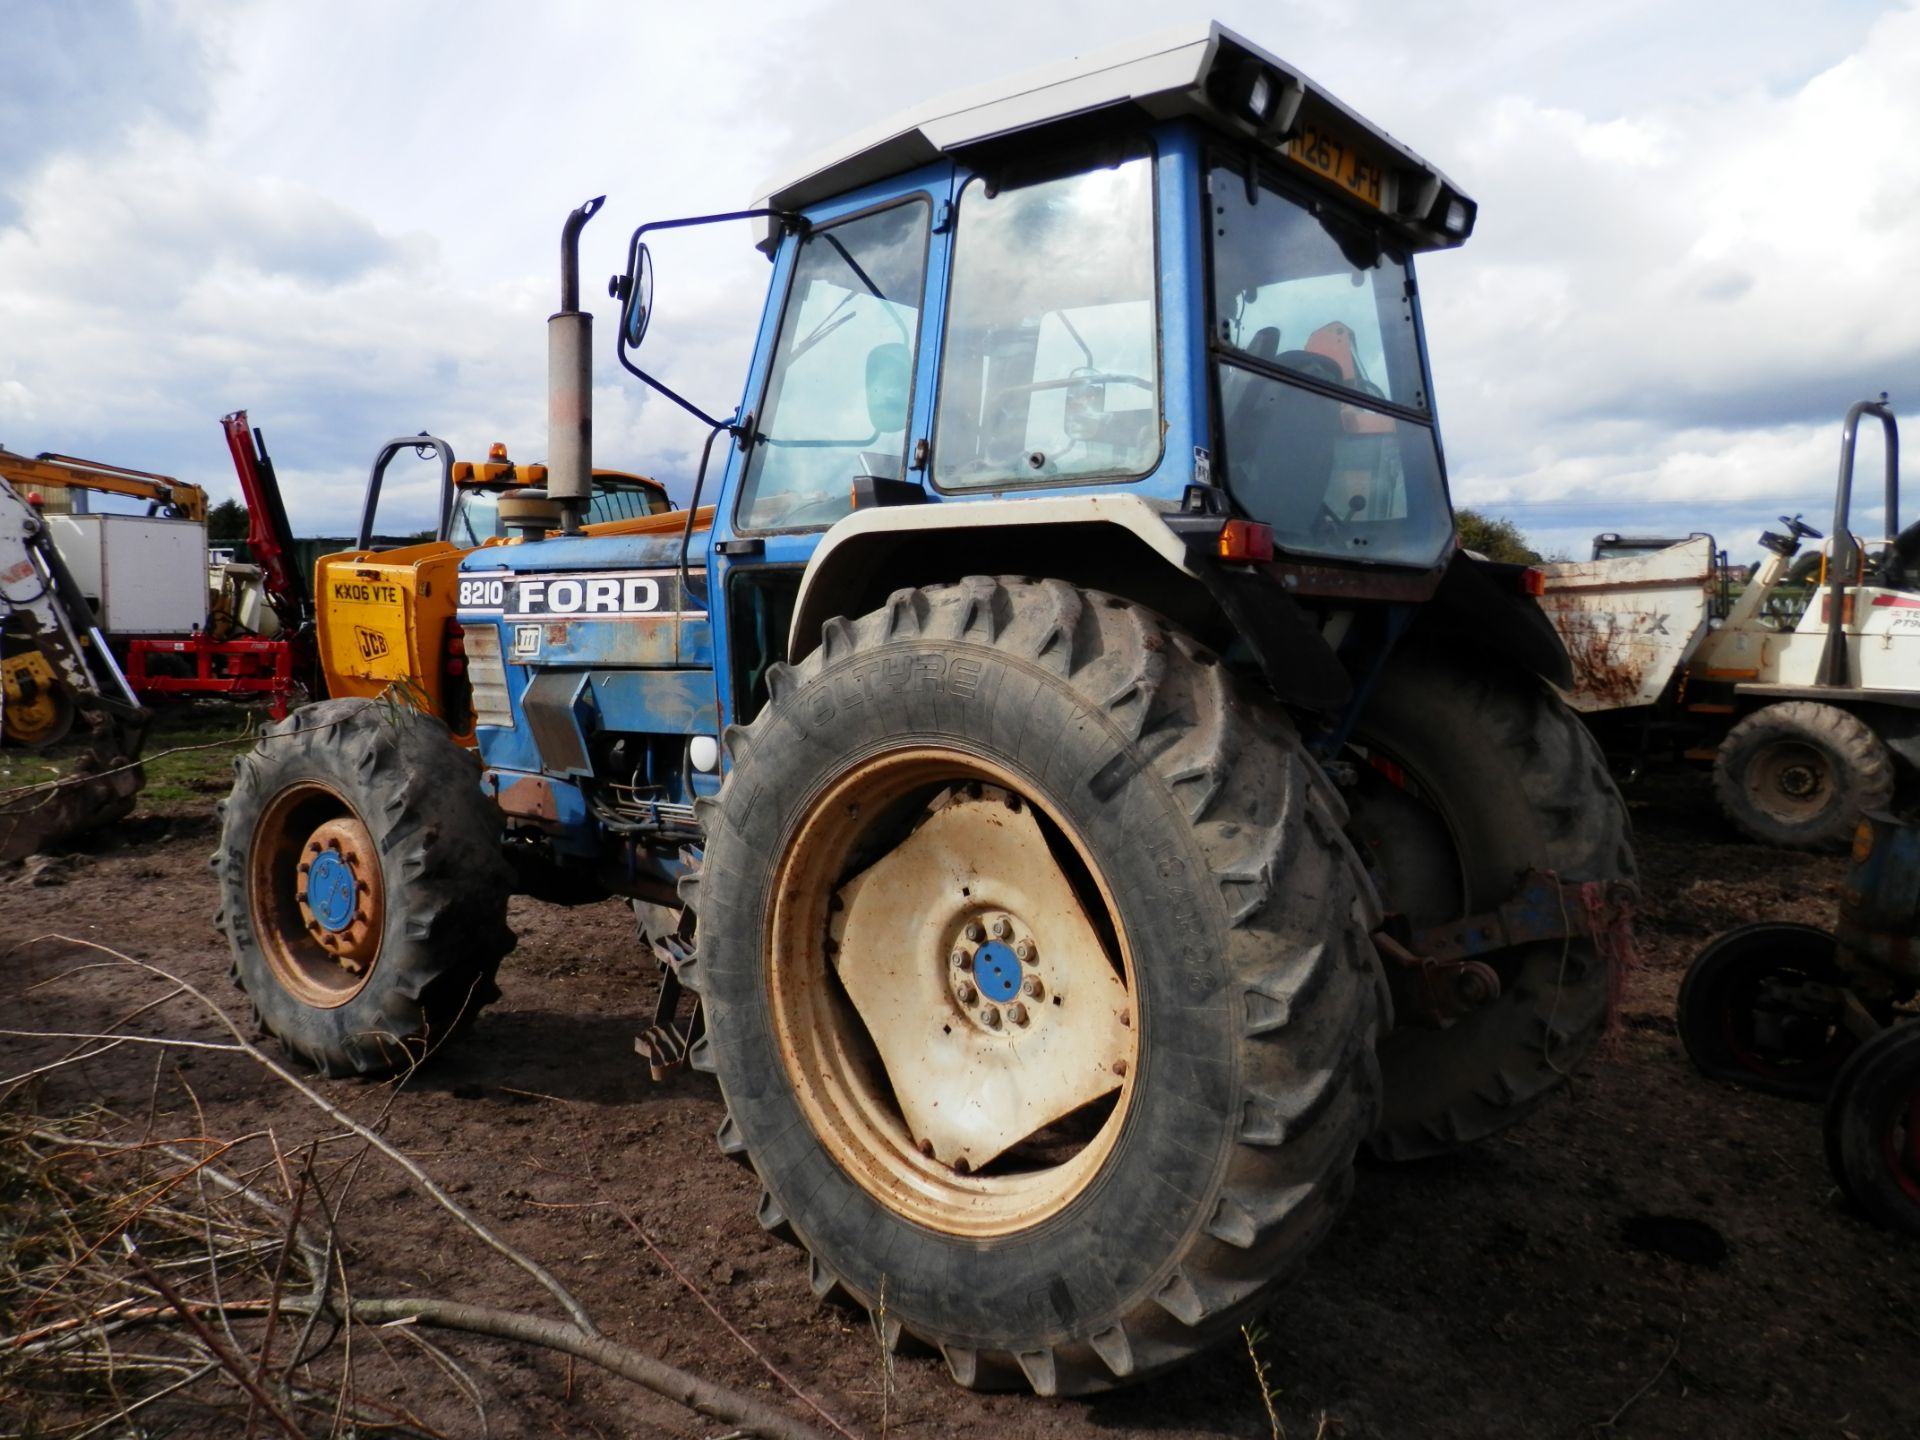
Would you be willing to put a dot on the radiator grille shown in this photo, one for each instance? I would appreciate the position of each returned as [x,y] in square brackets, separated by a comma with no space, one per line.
[488,672]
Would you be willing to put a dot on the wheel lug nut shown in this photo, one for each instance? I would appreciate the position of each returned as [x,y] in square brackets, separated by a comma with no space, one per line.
[967,993]
[1002,929]
[958,959]
[990,1017]
[1024,950]
[1017,1013]
[974,932]
[1031,986]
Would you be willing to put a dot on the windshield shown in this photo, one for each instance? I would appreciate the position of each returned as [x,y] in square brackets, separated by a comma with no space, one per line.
[1327,431]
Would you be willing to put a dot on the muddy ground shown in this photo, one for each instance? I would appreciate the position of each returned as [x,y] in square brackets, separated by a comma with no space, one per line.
[1500,1292]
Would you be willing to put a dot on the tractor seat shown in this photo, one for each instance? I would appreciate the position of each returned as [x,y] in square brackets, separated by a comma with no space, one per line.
[1902,564]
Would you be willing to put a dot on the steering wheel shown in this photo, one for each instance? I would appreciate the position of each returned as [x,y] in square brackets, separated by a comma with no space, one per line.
[1800,529]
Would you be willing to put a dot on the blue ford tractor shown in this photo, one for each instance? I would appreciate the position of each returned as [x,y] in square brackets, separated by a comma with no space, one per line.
[1077,789]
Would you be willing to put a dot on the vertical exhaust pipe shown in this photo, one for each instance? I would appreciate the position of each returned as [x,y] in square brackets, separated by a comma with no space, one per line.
[570,382]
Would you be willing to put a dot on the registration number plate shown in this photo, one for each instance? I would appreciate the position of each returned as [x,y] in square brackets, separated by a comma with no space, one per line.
[1339,162]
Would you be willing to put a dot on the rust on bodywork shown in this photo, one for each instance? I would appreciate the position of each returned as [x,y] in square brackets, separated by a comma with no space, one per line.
[1607,669]
[530,798]
[1630,624]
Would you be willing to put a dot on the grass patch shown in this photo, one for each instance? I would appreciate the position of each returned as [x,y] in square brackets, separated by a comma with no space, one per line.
[178,774]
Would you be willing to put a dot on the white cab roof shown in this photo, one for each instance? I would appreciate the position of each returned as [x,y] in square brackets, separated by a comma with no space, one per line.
[1161,77]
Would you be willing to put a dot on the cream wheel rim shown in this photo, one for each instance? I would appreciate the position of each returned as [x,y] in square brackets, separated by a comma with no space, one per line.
[952,992]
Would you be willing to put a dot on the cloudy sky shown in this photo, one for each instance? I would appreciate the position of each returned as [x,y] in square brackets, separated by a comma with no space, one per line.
[1698,243]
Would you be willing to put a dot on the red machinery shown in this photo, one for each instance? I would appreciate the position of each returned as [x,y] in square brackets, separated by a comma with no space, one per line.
[245,665]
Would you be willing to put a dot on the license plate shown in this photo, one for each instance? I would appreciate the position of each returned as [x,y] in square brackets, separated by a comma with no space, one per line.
[1327,155]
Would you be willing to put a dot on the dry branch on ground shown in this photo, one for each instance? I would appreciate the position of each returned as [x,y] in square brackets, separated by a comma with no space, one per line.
[206,1277]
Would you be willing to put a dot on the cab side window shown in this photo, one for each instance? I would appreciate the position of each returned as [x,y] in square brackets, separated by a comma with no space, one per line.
[1051,370]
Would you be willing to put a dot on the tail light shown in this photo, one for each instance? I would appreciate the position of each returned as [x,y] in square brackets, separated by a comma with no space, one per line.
[456,687]
[1532,581]
[1246,541]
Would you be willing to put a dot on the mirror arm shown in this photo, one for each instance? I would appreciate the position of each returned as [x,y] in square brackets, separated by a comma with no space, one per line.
[787,218]
[685,404]
[623,285]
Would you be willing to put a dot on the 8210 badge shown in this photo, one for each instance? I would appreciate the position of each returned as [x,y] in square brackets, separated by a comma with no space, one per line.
[528,596]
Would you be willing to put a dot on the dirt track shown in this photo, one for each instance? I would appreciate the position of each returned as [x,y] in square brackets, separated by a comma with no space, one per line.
[1497,1293]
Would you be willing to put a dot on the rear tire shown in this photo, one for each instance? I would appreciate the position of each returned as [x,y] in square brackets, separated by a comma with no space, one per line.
[1801,774]
[1207,853]
[1470,776]
[362,890]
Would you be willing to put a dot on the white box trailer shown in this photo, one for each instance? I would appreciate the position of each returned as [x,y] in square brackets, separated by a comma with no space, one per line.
[142,575]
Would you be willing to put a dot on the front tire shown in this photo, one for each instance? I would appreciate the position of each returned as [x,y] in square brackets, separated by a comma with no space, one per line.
[362,890]
[1162,855]
[1801,774]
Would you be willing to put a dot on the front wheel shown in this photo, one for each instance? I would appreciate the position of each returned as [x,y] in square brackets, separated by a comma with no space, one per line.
[1037,981]
[1801,774]
[362,889]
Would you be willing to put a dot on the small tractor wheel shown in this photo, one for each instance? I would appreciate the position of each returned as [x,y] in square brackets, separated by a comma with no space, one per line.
[1469,776]
[1760,1006]
[42,720]
[1873,1128]
[1801,774]
[1037,981]
[36,710]
[362,889]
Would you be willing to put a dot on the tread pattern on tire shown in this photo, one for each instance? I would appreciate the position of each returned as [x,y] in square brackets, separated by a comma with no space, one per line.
[1298,909]
[1864,771]
[1584,833]
[442,837]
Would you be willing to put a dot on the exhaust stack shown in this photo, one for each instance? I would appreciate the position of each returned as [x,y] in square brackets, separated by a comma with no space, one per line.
[570,382]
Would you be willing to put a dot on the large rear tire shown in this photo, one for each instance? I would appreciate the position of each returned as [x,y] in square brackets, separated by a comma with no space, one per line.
[362,889]
[961,811]
[1801,774]
[1472,774]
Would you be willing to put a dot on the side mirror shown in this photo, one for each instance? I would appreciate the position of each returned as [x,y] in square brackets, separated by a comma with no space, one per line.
[635,292]
[889,387]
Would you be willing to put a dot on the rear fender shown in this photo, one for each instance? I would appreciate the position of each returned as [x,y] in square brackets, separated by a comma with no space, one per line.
[1117,544]
[1481,608]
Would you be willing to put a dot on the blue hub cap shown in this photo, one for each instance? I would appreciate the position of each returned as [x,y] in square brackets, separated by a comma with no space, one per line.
[332,892]
[996,970]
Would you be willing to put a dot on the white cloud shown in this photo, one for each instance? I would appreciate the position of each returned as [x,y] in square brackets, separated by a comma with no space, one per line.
[1696,233]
